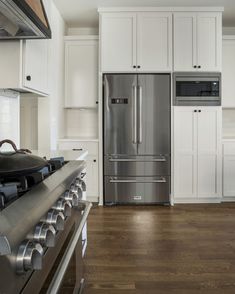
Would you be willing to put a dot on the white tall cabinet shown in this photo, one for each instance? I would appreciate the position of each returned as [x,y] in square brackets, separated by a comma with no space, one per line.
[197,41]
[197,154]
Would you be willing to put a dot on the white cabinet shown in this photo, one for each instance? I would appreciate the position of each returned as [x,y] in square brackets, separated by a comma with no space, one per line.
[136,42]
[197,41]
[228,69]
[197,153]
[229,169]
[24,66]
[92,163]
[81,72]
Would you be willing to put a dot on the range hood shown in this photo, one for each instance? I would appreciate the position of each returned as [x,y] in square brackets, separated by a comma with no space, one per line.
[23,19]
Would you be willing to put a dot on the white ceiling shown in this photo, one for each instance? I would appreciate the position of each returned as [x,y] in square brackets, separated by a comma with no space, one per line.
[83,13]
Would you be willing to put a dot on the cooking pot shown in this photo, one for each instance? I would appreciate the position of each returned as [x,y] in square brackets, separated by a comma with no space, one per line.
[19,162]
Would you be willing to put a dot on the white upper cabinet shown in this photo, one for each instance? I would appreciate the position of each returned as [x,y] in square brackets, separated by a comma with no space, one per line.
[24,66]
[133,42]
[228,76]
[35,68]
[81,72]
[185,55]
[154,41]
[197,153]
[197,41]
[118,47]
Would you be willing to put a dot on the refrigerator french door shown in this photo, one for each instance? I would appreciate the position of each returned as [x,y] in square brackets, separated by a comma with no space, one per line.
[137,138]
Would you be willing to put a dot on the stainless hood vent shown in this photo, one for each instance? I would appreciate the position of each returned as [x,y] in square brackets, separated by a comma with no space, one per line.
[23,19]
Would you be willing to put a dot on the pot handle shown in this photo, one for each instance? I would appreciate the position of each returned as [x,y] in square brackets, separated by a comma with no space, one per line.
[14,146]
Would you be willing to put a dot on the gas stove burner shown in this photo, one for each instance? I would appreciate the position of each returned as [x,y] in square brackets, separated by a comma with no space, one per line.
[14,187]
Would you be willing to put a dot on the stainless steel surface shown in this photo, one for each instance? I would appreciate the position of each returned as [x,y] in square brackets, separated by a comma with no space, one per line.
[189,100]
[55,218]
[45,234]
[72,197]
[137,190]
[156,114]
[59,275]
[137,165]
[19,21]
[134,126]
[77,189]
[119,134]
[140,113]
[64,206]
[144,150]
[19,221]
[29,257]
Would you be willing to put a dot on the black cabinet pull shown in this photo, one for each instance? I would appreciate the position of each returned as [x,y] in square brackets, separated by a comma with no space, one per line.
[96,102]
[199,110]
[134,66]
[94,160]
[195,110]
[195,66]
[199,66]
[77,149]
[28,78]
[138,66]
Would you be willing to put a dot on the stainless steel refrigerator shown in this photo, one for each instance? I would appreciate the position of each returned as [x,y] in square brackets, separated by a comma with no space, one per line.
[137,138]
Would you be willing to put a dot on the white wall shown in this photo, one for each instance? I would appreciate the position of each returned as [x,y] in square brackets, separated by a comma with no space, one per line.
[9,117]
[50,109]
[82,31]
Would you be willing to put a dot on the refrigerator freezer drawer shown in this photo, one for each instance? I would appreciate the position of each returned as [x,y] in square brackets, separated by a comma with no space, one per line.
[137,165]
[137,190]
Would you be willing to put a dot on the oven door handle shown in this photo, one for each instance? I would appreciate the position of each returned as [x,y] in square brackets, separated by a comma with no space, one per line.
[61,270]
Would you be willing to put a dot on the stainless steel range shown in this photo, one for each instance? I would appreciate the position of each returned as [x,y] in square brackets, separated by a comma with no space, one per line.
[42,221]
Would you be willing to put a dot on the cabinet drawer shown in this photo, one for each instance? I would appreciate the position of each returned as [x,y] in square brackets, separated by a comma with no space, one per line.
[229,148]
[91,147]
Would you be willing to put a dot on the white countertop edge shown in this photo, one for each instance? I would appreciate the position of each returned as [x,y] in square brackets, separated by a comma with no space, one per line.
[67,154]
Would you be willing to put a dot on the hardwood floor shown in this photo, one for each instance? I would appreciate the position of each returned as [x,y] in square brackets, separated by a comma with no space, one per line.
[145,250]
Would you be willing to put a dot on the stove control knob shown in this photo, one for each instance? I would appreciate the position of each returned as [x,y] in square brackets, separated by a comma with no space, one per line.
[64,206]
[71,197]
[77,190]
[55,218]
[81,183]
[29,257]
[45,234]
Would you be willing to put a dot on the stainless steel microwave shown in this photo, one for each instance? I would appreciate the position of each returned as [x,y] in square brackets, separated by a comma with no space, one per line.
[197,89]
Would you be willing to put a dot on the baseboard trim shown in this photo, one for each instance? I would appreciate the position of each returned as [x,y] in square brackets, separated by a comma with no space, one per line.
[197,200]
[228,199]
[92,198]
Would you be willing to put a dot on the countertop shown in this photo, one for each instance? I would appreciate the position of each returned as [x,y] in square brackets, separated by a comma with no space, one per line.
[81,139]
[67,154]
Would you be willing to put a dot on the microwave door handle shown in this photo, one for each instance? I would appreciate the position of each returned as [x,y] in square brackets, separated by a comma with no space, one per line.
[134,121]
[140,119]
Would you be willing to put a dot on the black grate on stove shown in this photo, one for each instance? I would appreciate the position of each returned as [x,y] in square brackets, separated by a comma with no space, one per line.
[13,187]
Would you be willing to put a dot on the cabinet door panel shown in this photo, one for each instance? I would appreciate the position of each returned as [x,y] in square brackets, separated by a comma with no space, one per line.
[185,41]
[209,155]
[36,65]
[229,176]
[81,72]
[209,40]
[92,177]
[185,129]
[154,41]
[228,76]
[118,48]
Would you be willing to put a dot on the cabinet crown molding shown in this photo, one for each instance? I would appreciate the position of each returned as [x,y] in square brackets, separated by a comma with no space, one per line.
[162,8]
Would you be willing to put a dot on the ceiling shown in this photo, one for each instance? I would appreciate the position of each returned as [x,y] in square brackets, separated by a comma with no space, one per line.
[83,13]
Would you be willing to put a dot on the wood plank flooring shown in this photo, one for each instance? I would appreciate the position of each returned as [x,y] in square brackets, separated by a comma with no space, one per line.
[148,249]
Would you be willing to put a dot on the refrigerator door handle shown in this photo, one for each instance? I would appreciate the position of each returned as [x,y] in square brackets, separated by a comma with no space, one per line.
[158,159]
[140,119]
[134,123]
[160,180]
